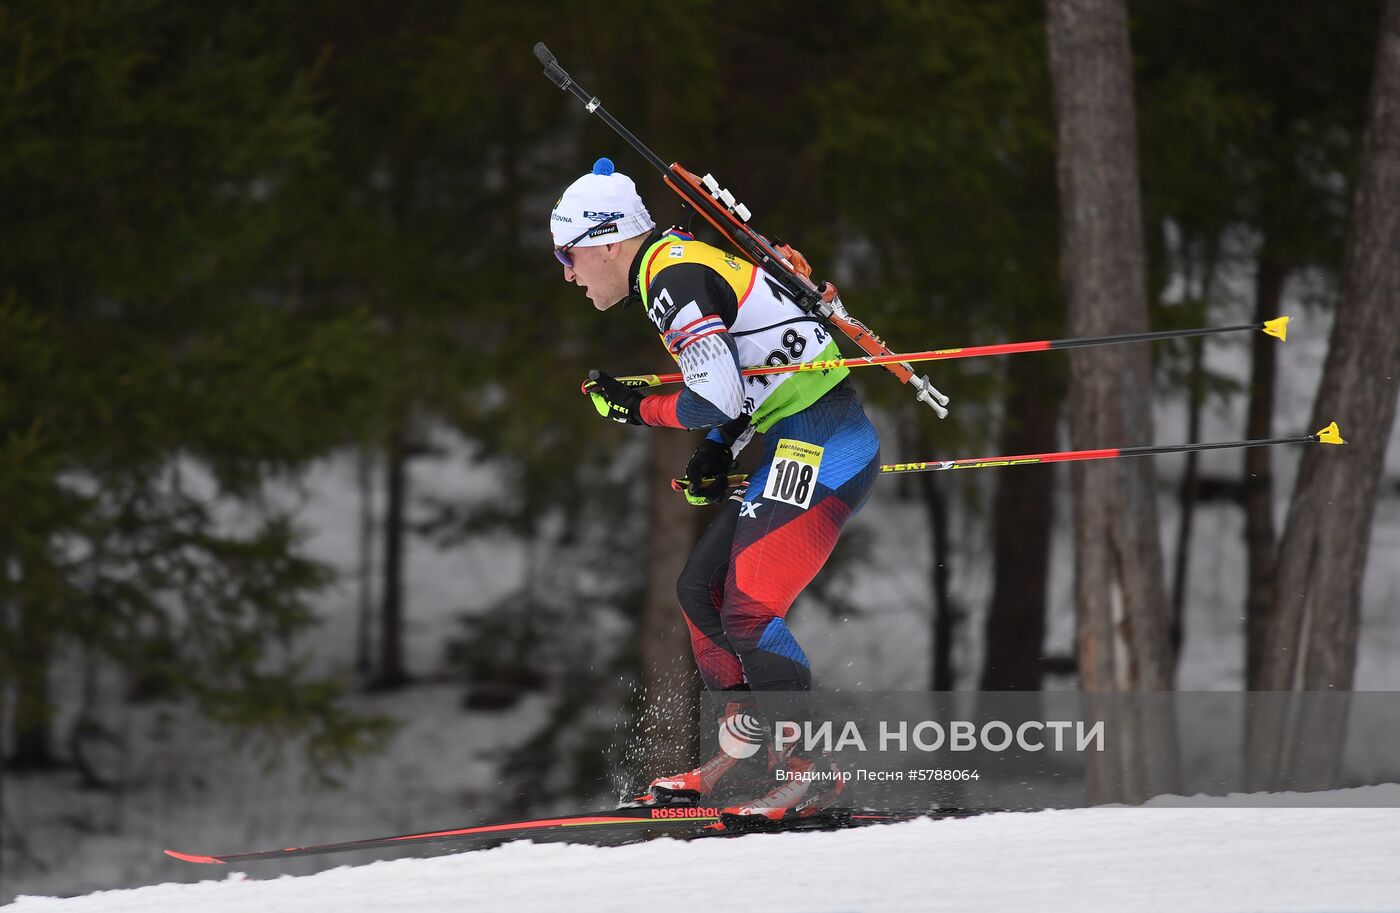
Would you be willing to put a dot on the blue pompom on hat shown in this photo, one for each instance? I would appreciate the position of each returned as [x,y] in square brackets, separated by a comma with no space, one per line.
[603,166]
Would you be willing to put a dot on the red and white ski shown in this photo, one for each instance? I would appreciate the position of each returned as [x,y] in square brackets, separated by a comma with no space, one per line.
[639,821]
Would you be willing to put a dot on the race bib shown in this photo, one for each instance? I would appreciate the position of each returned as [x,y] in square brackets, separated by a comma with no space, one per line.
[793,476]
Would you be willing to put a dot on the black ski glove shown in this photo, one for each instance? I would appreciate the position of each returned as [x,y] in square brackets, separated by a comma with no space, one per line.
[613,399]
[712,460]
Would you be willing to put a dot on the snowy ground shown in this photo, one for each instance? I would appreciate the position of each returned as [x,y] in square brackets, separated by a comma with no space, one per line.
[1116,860]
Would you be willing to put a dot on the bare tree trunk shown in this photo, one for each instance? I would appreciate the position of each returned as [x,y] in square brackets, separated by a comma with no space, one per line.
[670,682]
[391,663]
[1259,535]
[1118,563]
[1186,498]
[1022,516]
[1123,636]
[1189,491]
[364,466]
[397,452]
[942,673]
[915,436]
[1315,616]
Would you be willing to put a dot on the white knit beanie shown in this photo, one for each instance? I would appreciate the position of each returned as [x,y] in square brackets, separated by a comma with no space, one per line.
[598,197]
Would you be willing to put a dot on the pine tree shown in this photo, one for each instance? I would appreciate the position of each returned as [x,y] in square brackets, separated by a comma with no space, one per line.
[158,369]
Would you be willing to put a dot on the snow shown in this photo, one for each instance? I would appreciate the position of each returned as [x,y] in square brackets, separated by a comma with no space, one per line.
[1304,859]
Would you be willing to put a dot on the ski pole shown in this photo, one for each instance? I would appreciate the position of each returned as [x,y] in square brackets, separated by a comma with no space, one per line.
[1328,435]
[1278,328]
[731,219]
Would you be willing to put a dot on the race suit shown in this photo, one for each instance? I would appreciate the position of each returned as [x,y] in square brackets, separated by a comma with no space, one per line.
[820,454]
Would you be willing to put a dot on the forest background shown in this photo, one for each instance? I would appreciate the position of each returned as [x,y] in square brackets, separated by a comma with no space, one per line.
[241,242]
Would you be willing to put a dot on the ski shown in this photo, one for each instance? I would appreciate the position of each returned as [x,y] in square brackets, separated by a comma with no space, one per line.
[639,820]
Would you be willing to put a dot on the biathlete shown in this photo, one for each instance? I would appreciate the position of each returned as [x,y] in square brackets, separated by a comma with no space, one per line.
[716,313]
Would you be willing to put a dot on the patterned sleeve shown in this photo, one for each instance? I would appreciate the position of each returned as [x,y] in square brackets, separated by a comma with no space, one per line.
[693,308]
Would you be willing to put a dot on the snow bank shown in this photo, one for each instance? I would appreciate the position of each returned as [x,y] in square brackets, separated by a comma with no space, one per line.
[1078,861]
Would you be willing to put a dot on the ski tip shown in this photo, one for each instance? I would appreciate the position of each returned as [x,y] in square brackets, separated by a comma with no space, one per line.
[187,857]
[1330,435]
[1277,328]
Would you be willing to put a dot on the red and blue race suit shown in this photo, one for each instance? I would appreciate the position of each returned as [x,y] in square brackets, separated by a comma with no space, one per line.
[819,461]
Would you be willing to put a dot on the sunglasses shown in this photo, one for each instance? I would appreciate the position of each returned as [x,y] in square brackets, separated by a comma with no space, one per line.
[562,253]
